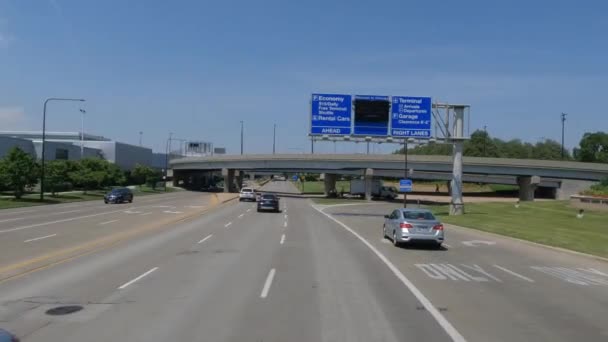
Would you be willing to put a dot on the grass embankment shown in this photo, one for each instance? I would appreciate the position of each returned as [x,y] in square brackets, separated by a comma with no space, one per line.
[33,199]
[552,223]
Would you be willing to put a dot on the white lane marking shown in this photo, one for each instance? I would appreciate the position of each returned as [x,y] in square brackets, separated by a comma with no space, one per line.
[286,216]
[58,221]
[573,276]
[441,320]
[40,238]
[206,238]
[65,212]
[248,210]
[12,219]
[285,224]
[282,239]
[448,246]
[107,222]
[162,206]
[514,273]
[195,206]
[144,214]
[227,224]
[136,279]
[241,215]
[132,212]
[267,284]
[172,212]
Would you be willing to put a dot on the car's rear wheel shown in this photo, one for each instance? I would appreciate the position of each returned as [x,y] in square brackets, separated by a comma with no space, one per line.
[384,231]
[396,242]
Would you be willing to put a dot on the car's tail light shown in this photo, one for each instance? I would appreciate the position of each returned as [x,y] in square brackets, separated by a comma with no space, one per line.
[404,225]
[438,227]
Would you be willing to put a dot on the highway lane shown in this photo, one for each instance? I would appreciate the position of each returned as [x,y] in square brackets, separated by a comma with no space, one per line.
[61,230]
[494,288]
[231,274]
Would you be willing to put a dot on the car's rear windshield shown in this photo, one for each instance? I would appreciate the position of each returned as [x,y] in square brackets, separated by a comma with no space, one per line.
[418,215]
[246,190]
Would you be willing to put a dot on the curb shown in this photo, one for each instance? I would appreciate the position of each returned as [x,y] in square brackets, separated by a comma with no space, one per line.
[531,243]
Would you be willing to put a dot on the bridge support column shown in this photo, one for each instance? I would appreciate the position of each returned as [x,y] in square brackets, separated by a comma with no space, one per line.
[239,180]
[329,181]
[369,177]
[527,185]
[228,179]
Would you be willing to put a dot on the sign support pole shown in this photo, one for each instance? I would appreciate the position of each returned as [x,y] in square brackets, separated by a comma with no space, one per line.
[405,172]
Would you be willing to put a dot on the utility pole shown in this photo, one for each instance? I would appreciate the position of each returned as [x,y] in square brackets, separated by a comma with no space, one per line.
[274,138]
[83,112]
[485,139]
[140,134]
[241,137]
[563,124]
[312,145]
[167,150]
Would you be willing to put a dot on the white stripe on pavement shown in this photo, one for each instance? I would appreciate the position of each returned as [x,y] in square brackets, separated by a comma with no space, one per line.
[206,238]
[241,215]
[40,238]
[65,212]
[107,222]
[227,224]
[12,219]
[58,221]
[144,214]
[17,212]
[267,284]
[514,274]
[136,279]
[426,303]
[285,224]
[248,210]
[282,239]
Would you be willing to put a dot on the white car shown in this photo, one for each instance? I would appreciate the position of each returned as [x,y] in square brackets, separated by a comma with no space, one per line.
[247,194]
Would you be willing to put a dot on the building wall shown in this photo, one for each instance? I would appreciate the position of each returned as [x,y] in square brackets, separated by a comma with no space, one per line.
[7,143]
[158,160]
[53,147]
[127,156]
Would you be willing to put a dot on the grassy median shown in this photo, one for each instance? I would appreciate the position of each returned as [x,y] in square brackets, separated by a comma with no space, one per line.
[552,223]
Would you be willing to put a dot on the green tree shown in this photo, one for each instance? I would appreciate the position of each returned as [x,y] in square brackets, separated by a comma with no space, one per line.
[593,148]
[480,145]
[57,175]
[139,174]
[549,150]
[19,171]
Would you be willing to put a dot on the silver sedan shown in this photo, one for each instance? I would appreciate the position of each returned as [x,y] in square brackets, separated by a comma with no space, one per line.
[410,225]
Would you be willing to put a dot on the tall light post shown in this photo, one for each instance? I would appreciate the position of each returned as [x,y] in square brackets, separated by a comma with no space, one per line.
[274,138]
[563,124]
[167,149]
[485,139]
[140,136]
[44,137]
[241,137]
[83,112]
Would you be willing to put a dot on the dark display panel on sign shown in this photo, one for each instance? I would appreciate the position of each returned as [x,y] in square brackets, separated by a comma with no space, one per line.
[371,115]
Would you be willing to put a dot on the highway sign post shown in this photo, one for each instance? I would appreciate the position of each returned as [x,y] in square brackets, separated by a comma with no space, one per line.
[331,114]
[411,117]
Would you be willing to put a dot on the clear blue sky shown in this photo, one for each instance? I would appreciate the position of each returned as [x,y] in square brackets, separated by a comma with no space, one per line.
[196,68]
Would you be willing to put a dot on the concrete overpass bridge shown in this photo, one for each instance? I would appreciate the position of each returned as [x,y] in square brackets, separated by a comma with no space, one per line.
[560,178]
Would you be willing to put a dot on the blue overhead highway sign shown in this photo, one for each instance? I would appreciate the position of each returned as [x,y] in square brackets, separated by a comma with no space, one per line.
[411,117]
[331,114]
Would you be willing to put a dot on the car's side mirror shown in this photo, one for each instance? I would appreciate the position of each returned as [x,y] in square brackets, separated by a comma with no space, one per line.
[386,216]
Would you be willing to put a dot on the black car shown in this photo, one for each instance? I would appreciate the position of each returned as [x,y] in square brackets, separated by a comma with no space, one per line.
[268,202]
[118,195]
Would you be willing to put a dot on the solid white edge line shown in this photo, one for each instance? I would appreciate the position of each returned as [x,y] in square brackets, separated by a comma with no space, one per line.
[13,219]
[285,224]
[144,214]
[107,222]
[136,279]
[441,320]
[282,239]
[40,238]
[206,238]
[248,210]
[267,284]
[227,224]
[241,215]
[514,274]
[65,212]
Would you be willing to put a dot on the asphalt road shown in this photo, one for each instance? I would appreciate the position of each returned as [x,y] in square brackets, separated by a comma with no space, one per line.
[232,274]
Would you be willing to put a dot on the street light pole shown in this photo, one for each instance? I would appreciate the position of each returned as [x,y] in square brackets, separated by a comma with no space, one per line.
[274,138]
[485,139]
[241,137]
[140,135]
[82,133]
[563,124]
[167,151]
[44,138]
